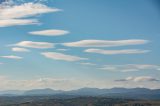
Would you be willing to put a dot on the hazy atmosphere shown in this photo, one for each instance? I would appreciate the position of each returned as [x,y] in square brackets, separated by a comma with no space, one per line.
[71,44]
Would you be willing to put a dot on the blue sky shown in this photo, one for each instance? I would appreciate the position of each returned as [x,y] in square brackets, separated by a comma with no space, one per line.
[69,44]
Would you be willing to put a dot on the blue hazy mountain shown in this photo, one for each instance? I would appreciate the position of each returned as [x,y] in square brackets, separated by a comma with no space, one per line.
[46,91]
[12,92]
[96,91]
[136,93]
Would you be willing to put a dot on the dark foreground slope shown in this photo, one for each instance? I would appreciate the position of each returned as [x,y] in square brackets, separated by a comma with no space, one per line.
[84,101]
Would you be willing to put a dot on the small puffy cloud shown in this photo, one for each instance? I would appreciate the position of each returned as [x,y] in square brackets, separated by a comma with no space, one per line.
[12,57]
[13,22]
[17,49]
[90,64]
[31,44]
[130,67]
[138,79]
[60,56]
[114,52]
[51,32]
[105,43]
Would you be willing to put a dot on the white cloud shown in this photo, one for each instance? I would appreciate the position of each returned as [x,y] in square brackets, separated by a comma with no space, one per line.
[62,49]
[60,56]
[13,22]
[12,57]
[11,15]
[130,67]
[105,43]
[24,10]
[51,32]
[1,63]
[139,79]
[17,49]
[145,78]
[114,52]
[90,64]
[31,44]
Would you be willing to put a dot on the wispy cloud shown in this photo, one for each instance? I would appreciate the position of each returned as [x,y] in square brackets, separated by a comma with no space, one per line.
[17,49]
[12,57]
[13,22]
[51,32]
[31,44]
[1,63]
[138,79]
[105,43]
[62,49]
[61,56]
[130,67]
[89,64]
[114,52]
[11,15]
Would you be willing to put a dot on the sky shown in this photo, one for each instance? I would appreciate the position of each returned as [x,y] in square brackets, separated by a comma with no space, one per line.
[71,44]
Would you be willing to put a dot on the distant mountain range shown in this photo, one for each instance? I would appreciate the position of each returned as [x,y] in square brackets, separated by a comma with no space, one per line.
[133,93]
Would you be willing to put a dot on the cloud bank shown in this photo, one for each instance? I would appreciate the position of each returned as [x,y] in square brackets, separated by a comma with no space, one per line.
[69,83]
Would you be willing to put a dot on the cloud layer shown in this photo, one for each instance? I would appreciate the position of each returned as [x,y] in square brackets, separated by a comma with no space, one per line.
[70,83]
